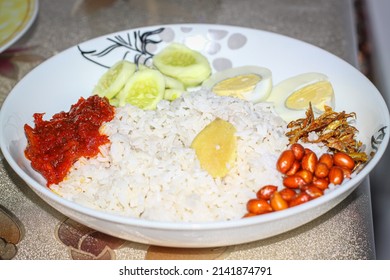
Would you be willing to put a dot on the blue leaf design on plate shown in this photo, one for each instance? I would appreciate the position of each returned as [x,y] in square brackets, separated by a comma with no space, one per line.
[132,46]
[376,139]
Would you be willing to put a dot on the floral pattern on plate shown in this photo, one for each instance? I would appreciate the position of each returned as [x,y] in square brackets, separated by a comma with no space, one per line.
[139,46]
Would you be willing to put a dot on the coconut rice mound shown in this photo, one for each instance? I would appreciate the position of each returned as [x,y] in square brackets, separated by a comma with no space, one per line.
[149,170]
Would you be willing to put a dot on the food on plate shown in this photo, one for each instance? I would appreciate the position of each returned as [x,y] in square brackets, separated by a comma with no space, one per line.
[114,79]
[330,128]
[182,63]
[309,181]
[216,147]
[144,89]
[252,83]
[308,174]
[151,167]
[149,170]
[145,146]
[55,145]
[258,206]
[175,68]
[173,88]
[293,95]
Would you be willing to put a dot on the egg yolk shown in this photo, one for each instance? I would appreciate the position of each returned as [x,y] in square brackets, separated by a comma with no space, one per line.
[319,94]
[237,86]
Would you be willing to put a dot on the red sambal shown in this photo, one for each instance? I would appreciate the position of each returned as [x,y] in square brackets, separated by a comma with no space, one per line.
[55,145]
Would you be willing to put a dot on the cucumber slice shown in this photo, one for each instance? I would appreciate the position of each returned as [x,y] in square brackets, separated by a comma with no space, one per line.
[173,88]
[182,63]
[172,83]
[143,67]
[172,94]
[114,101]
[114,79]
[144,89]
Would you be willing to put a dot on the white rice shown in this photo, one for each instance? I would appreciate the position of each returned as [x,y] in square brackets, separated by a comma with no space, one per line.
[149,170]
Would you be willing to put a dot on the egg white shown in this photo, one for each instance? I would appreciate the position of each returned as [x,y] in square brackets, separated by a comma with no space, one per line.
[281,91]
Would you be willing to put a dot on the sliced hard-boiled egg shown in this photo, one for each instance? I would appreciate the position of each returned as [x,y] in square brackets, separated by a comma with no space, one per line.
[291,97]
[251,83]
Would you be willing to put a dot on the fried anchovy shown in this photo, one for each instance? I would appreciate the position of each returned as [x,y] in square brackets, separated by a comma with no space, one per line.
[331,128]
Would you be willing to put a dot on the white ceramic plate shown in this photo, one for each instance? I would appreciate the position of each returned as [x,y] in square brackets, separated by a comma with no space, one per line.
[16,17]
[74,72]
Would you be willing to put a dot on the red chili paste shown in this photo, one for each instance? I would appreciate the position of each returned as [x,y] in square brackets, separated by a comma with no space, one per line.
[55,145]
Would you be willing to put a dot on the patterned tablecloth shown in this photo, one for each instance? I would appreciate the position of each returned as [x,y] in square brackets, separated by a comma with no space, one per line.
[30,229]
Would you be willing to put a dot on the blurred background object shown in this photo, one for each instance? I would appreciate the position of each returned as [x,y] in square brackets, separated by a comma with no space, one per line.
[375,15]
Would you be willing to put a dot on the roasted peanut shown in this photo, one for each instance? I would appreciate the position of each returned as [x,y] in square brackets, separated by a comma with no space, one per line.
[277,202]
[294,168]
[321,183]
[309,162]
[266,192]
[258,206]
[313,191]
[336,175]
[299,199]
[306,175]
[327,159]
[248,215]
[293,181]
[298,151]
[347,172]
[287,194]
[307,151]
[343,160]
[285,161]
[321,170]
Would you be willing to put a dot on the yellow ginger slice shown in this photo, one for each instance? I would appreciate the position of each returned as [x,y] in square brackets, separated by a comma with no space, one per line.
[216,147]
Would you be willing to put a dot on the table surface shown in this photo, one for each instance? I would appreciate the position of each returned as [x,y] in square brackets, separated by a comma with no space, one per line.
[40,232]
